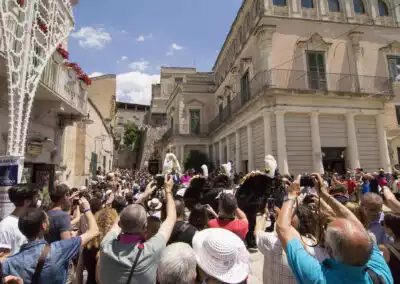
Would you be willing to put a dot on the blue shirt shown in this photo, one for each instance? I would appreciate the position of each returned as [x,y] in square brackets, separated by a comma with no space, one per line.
[377,229]
[55,269]
[307,269]
[60,222]
[365,188]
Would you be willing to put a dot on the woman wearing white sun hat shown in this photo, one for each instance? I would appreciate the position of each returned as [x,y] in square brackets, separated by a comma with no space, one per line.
[222,257]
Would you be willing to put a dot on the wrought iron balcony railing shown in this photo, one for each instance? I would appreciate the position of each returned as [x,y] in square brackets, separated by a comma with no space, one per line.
[64,83]
[187,130]
[304,81]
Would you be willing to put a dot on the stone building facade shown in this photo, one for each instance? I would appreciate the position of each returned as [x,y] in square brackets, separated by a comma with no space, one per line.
[127,156]
[315,83]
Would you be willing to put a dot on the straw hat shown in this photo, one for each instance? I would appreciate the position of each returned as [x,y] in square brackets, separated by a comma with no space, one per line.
[154,204]
[222,255]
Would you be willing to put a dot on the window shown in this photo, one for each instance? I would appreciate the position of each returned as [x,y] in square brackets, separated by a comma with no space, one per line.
[334,6]
[383,8]
[398,115]
[316,70]
[228,103]
[120,121]
[194,121]
[307,3]
[178,80]
[245,88]
[220,110]
[281,3]
[394,68]
[359,7]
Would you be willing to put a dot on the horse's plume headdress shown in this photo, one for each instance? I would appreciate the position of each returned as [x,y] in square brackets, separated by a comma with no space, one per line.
[270,166]
[204,168]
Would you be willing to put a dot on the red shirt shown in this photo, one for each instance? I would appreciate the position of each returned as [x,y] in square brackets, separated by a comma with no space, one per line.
[239,227]
[351,186]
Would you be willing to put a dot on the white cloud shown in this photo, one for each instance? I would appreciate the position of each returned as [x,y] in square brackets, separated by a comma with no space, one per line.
[135,87]
[174,47]
[96,74]
[144,37]
[90,37]
[123,58]
[140,65]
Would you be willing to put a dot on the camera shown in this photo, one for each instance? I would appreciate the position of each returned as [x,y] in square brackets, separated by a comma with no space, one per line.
[75,202]
[160,181]
[306,181]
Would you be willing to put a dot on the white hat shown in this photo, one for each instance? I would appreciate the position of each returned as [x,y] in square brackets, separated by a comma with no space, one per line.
[83,187]
[154,204]
[222,255]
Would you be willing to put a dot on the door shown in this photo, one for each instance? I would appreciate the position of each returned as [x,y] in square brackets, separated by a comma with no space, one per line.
[93,164]
[333,160]
[316,70]
[43,175]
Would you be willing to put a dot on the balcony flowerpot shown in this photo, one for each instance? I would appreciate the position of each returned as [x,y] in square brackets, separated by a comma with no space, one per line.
[58,57]
[83,85]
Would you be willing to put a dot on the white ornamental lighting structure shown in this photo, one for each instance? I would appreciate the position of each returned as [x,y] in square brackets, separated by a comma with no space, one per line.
[31,30]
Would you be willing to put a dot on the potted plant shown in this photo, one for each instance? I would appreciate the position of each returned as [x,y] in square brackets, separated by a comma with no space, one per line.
[61,54]
[85,81]
[73,69]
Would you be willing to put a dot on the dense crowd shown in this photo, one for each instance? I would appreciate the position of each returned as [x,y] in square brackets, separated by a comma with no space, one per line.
[133,227]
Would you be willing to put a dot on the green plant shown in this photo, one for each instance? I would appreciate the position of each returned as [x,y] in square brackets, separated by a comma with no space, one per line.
[131,133]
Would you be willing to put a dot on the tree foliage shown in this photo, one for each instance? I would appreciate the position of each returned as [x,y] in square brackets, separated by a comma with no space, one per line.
[195,159]
[131,133]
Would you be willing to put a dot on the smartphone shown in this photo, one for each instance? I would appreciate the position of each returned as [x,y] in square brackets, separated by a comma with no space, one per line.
[160,181]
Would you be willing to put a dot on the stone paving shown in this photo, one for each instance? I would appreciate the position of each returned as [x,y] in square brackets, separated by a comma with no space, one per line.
[257,264]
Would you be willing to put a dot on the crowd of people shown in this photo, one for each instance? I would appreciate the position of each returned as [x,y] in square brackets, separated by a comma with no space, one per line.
[133,227]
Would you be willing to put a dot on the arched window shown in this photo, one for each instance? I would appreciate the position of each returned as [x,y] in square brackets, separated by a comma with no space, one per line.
[383,8]
[334,5]
[307,3]
[281,3]
[359,7]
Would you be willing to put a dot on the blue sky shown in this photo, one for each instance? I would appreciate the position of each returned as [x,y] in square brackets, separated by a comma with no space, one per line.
[133,38]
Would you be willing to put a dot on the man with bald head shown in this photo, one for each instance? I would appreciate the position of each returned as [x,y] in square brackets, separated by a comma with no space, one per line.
[371,205]
[354,257]
[126,256]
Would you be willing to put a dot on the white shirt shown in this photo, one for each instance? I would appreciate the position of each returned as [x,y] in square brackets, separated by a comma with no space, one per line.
[276,267]
[10,235]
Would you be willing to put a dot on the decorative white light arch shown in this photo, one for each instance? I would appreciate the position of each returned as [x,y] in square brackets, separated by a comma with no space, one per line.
[31,30]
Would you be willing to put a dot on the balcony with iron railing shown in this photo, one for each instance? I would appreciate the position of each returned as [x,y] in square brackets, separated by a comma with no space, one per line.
[304,82]
[63,82]
[199,130]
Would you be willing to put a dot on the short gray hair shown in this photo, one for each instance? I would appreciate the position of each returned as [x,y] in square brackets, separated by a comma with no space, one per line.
[177,265]
[133,219]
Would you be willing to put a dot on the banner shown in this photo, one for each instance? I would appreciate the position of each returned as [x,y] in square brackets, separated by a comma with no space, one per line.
[10,174]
